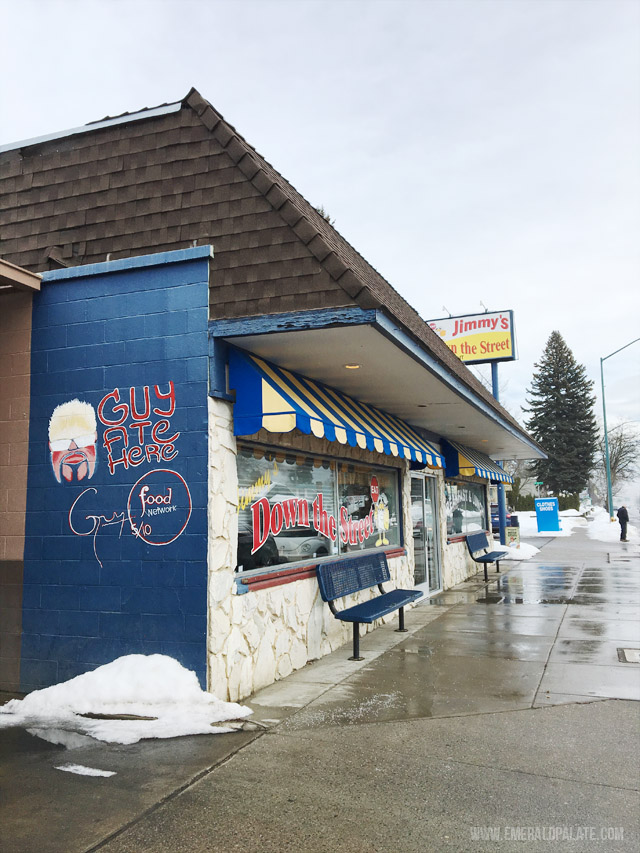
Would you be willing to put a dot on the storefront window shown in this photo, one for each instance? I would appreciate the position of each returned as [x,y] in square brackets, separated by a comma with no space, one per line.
[368,508]
[466,508]
[294,507]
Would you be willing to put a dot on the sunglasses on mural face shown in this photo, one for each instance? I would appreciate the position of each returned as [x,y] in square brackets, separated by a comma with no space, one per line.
[61,444]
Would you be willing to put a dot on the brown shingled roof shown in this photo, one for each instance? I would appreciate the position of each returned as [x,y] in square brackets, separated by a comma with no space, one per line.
[161,182]
[352,272]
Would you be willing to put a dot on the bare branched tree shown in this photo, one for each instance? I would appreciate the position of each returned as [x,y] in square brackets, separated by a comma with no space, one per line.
[523,478]
[624,457]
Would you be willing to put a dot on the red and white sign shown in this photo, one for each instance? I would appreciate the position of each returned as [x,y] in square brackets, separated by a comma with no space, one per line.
[270,519]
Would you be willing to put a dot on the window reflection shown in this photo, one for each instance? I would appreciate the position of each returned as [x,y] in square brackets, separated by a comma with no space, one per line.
[466,508]
[293,507]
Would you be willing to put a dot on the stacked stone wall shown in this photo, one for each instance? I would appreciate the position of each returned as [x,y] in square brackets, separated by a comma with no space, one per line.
[264,635]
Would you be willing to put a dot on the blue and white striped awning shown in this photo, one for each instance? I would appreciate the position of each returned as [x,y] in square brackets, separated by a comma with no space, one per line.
[461,460]
[271,398]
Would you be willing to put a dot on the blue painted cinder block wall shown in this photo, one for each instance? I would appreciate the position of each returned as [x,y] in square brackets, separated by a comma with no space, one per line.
[116,523]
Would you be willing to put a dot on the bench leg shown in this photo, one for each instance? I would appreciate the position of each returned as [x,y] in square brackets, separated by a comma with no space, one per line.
[401,629]
[498,566]
[356,642]
[486,577]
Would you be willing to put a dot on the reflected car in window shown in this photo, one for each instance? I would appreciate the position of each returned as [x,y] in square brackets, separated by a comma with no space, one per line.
[301,543]
[265,556]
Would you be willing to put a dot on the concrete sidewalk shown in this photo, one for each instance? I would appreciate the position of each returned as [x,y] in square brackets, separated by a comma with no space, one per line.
[506,719]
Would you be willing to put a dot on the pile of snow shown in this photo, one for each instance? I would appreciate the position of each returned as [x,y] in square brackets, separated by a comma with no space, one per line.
[569,519]
[602,528]
[81,770]
[522,551]
[153,686]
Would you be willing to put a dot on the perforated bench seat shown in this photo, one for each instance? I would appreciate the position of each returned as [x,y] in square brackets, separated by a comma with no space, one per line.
[378,607]
[340,578]
[479,542]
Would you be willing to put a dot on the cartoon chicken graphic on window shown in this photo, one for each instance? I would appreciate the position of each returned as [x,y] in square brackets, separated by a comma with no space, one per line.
[380,512]
[72,441]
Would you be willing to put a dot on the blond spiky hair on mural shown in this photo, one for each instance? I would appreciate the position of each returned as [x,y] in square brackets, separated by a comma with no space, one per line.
[72,418]
[72,441]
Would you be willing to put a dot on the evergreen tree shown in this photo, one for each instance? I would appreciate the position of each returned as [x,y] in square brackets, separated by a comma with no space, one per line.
[323,213]
[562,419]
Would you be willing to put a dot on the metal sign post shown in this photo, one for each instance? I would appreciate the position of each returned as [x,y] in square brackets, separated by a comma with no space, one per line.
[502,500]
[481,339]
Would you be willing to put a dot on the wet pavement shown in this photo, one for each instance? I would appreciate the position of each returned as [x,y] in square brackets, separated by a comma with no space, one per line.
[507,704]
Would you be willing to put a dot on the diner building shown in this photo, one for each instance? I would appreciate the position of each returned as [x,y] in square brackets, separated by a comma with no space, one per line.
[206,392]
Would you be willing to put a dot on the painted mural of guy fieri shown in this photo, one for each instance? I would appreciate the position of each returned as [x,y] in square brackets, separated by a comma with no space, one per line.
[72,441]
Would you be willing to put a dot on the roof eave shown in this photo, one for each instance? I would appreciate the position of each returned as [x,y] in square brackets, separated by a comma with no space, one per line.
[18,278]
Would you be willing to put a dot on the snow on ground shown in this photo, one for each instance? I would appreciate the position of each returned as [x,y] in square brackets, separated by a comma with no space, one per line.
[154,686]
[602,528]
[569,519]
[523,551]
[597,524]
[81,770]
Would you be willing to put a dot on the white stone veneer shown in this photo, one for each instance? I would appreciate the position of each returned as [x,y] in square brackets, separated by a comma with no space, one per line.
[262,636]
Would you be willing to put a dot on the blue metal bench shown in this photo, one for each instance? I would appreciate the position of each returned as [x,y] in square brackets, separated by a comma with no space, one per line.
[339,578]
[479,542]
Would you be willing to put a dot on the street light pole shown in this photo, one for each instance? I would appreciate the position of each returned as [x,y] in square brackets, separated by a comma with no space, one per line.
[606,445]
[606,438]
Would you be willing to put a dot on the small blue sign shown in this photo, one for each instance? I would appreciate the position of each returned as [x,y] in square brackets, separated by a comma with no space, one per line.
[547,514]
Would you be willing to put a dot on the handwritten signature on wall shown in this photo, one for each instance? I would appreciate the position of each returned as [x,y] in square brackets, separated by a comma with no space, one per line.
[158,510]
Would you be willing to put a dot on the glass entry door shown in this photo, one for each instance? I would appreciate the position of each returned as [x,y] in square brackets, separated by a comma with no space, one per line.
[424,517]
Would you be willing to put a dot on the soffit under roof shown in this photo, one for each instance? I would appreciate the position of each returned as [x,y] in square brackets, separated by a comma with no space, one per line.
[391,380]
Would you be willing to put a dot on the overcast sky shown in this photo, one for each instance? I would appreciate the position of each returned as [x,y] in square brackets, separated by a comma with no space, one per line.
[474,151]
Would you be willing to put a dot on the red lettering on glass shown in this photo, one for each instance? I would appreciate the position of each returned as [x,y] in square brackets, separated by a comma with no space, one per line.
[332,528]
[277,519]
[260,523]
[321,518]
[269,519]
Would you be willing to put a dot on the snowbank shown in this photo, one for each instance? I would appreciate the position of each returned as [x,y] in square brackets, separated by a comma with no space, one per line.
[523,551]
[602,528]
[81,770]
[153,686]
[569,519]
